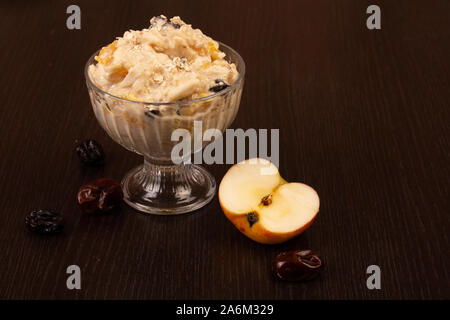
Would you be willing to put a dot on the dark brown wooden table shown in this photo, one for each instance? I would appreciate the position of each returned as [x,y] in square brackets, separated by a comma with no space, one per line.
[363,118]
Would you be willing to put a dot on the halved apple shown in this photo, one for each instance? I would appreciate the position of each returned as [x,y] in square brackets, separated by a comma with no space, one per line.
[262,205]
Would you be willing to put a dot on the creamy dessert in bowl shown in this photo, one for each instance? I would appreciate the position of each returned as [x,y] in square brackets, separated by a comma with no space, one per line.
[148,83]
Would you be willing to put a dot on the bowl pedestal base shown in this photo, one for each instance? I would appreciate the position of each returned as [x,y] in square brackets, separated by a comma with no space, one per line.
[168,189]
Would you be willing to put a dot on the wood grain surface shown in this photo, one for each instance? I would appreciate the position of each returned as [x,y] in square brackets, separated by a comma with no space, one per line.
[363,118]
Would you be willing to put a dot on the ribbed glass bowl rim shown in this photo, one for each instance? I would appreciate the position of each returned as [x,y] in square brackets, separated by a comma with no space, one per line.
[178,103]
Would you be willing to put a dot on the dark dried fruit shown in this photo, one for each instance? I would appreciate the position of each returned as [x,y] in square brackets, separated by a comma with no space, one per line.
[297,265]
[100,196]
[252,218]
[44,221]
[219,86]
[170,23]
[90,152]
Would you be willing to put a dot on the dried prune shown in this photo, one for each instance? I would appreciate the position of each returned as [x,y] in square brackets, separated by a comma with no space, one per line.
[90,152]
[99,196]
[219,86]
[297,265]
[44,221]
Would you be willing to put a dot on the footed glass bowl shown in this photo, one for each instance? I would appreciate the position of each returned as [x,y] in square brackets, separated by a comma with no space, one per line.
[159,186]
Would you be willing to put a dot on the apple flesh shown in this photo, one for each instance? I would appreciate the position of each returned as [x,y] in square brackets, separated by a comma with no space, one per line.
[262,205]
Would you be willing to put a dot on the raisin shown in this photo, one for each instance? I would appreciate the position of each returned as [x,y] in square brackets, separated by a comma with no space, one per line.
[170,23]
[297,265]
[90,152]
[252,218]
[99,196]
[219,86]
[44,221]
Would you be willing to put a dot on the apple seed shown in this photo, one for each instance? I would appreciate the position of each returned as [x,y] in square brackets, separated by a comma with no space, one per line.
[266,200]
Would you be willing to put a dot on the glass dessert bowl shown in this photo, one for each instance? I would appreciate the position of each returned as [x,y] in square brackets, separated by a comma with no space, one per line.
[159,186]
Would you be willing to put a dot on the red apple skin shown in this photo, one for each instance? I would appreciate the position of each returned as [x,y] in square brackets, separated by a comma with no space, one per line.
[258,233]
